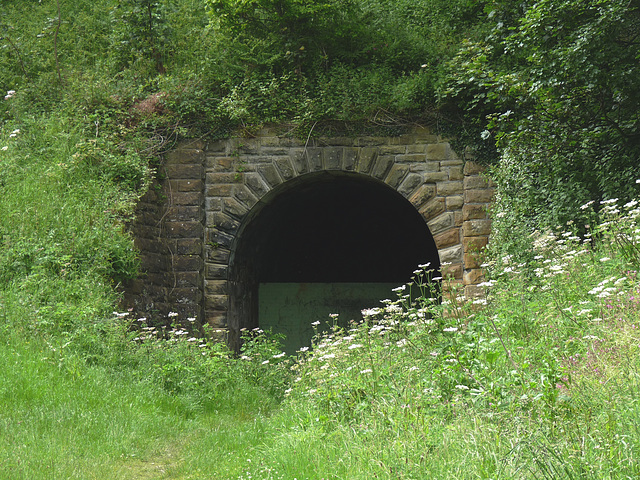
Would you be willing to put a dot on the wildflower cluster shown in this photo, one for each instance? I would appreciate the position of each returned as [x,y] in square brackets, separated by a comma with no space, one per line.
[188,360]
[353,371]
[561,307]
[13,134]
[585,288]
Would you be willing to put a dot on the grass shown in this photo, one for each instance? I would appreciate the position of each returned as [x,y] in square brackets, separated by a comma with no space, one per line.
[59,423]
[539,380]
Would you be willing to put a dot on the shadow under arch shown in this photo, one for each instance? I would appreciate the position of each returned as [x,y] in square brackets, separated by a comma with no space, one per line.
[325,228]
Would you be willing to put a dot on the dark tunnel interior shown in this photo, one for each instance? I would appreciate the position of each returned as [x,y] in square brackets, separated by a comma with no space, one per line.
[327,227]
[337,228]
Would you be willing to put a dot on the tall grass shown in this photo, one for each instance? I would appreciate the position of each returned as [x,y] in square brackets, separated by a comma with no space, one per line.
[538,380]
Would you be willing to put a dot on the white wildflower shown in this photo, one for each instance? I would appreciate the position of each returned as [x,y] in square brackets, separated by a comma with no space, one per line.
[590,337]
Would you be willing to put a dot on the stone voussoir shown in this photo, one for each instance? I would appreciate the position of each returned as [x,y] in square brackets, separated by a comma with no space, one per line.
[396,175]
[447,238]
[422,195]
[366,159]
[432,208]
[409,185]
[442,222]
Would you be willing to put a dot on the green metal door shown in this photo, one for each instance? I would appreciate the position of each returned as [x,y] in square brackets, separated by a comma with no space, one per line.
[291,308]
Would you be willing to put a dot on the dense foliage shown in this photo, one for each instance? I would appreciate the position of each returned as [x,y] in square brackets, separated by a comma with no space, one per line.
[550,95]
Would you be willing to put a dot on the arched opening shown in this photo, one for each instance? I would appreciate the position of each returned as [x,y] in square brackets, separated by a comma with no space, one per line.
[327,242]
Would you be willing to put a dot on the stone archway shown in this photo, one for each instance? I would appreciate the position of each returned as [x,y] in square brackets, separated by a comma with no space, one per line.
[192,225]
[323,242]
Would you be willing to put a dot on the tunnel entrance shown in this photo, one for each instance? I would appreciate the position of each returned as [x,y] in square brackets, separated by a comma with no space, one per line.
[325,242]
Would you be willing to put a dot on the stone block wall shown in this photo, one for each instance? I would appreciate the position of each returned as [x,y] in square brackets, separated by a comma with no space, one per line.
[187,224]
[169,230]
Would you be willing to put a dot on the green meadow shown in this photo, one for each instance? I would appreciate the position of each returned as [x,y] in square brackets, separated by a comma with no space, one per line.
[539,379]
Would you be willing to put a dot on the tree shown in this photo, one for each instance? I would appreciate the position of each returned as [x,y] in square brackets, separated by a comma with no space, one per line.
[551,96]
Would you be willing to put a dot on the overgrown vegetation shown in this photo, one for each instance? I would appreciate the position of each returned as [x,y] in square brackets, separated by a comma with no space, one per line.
[539,382]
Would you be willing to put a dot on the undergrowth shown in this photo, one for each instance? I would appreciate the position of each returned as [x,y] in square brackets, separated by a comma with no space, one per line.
[537,380]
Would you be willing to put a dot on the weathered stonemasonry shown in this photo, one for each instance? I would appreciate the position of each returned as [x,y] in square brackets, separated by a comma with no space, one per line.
[188,225]
[169,232]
